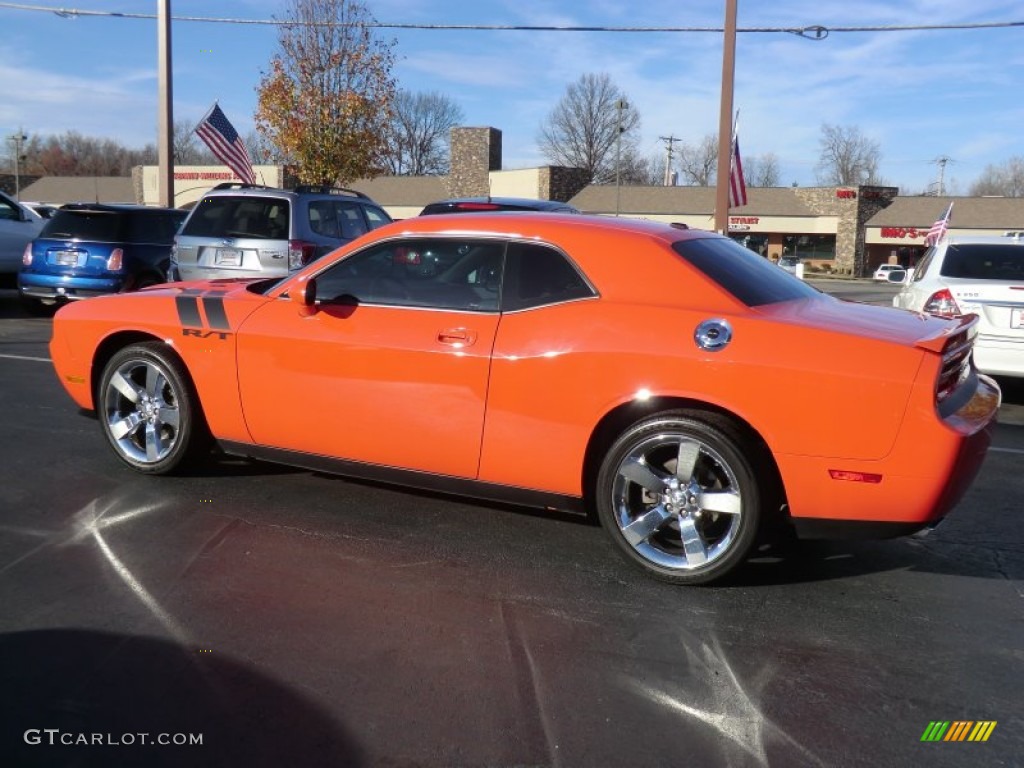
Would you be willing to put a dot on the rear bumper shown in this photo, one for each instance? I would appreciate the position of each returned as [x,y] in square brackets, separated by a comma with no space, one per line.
[71,287]
[930,468]
[999,357]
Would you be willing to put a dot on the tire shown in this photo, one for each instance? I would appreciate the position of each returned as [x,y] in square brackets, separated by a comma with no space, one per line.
[149,411]
[679,496]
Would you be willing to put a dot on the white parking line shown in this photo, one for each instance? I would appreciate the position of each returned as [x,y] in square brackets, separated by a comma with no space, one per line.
[25,357]
[1006,450]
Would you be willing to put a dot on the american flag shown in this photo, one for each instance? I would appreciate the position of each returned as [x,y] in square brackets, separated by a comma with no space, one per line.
[224,141]
[737,186]
[939,228]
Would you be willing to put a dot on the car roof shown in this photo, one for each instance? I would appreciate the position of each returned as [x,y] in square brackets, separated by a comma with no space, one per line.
[514,202]
[117,208]
[302,190]
[527,224]
[1007,240]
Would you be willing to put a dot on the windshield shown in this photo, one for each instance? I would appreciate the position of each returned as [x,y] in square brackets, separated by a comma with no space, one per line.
[989,261]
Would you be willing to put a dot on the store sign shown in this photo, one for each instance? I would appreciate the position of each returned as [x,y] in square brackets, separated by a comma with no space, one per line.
[204,175]
[734,220]
[846,194]
[901,233]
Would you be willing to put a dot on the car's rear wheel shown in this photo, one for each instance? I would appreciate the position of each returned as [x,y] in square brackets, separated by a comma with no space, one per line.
[149,411]
[679,496]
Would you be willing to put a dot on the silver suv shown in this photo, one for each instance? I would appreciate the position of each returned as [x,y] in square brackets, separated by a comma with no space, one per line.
[248,230]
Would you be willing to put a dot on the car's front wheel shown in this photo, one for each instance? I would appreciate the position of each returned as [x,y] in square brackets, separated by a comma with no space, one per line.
[148,408]
[679,495]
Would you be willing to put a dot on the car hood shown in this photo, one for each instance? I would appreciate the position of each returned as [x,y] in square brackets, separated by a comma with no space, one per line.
[898,326]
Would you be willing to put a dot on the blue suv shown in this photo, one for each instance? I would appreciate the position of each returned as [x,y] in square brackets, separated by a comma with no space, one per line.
[91,249]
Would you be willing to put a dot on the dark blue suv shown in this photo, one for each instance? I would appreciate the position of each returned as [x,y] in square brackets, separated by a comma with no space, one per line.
[90,249]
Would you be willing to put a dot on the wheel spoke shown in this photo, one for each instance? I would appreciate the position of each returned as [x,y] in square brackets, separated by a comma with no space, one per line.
[127,389]
[686,459]
[638,472]
[154,443]
[693,544]
[645,526]
[726,502]
[154,381]
[124,427]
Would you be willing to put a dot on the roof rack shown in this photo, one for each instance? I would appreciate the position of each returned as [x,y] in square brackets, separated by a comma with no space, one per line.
[241,185]
[326,189]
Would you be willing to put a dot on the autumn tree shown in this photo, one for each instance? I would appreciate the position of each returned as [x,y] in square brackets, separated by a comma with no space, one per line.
[848,157]
[326,102]
[583,130]
[418,137]
[1006,180]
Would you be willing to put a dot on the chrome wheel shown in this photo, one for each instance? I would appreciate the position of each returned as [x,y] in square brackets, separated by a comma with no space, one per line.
[680,498]
[147,408]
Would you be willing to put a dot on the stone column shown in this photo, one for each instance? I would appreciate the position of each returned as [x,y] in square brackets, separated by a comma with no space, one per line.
[475,152]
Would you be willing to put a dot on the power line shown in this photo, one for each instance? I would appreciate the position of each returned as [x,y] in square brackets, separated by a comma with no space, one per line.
[812,32]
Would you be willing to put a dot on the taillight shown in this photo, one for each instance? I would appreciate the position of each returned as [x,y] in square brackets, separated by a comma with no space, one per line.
[26,257]
[300,253]
[115,259]
[956,365]
[941,303]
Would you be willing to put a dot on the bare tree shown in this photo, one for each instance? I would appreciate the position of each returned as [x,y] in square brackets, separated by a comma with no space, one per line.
[326,102]
[848,157]
[72,154]
[187,148]
[418,137]
[762,170]
[1006,180]
[585,128]
[698,163]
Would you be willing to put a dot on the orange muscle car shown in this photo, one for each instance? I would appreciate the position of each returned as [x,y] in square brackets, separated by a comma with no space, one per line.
[572,362]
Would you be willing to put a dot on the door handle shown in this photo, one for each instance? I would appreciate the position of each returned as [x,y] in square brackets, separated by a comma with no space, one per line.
[457,337]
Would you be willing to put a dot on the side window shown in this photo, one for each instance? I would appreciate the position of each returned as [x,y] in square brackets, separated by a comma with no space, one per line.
[350,221]
[436,273]
[376,216]
[922,268]
[8,211]
[537,275]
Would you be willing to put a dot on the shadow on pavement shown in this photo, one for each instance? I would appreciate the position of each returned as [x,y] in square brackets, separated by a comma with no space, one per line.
[118,687]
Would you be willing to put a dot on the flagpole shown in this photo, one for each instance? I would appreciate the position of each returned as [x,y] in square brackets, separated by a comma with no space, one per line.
[725,139]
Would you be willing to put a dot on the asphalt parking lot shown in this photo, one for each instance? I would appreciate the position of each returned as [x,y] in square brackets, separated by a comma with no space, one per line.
[291,618]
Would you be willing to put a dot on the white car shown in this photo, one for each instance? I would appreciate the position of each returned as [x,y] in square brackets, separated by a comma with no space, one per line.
[976,275]
[882,273]
[19,225]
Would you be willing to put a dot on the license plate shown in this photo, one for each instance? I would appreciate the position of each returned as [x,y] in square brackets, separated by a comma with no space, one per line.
[228,257]
[67,258]
[1017,318]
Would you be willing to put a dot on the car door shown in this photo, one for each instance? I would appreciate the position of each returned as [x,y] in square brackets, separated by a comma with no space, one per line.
[17,228]
[393,367]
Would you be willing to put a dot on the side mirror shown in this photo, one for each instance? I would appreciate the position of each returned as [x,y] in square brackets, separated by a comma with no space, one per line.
[897,276]
[303,294]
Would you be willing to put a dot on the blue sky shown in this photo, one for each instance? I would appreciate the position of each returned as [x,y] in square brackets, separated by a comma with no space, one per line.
[919,94]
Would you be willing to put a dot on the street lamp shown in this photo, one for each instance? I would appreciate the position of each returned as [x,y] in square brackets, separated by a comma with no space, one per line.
[620,105]
[18,139]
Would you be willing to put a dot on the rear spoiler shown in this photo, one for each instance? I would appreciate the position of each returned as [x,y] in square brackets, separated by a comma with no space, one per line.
[962,330]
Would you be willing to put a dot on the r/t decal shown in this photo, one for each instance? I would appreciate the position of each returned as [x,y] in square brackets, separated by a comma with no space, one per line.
[216,319]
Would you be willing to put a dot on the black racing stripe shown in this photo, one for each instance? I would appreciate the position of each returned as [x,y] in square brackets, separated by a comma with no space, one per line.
[188,311]
[216,317]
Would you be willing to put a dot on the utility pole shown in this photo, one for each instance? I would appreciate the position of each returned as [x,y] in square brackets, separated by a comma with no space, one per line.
[941,162]
[620,105]
[669,141]
[17,139]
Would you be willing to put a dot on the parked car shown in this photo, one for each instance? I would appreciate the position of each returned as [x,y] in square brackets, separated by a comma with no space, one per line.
[964,275]
[19,225]
[248,230]
[526,358]
[492,204]
[884,270]
[89,249]
[789,263]
[46,210]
